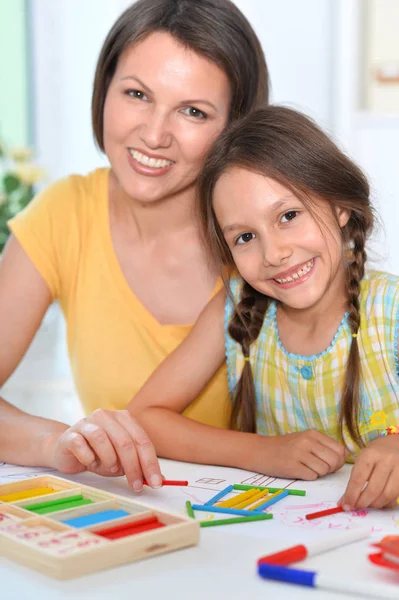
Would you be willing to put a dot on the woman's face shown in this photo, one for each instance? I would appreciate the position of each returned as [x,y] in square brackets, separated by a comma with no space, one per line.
[164,107]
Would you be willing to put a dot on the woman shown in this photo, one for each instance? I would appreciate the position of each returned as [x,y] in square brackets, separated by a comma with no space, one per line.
[120,249]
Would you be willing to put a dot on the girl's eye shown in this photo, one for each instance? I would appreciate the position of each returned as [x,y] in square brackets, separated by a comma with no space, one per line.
[289,216]
[136,94]
[191,111]
[244,238]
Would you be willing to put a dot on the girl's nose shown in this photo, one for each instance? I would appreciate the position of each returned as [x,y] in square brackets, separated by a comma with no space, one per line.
[275,253]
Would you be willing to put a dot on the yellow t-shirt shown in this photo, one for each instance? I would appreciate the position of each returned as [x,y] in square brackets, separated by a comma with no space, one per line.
[114,343]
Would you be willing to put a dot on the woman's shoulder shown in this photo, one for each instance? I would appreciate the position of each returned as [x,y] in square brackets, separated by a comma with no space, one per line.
[75,188]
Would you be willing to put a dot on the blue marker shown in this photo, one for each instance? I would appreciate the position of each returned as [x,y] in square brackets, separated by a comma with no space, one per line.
[334,584]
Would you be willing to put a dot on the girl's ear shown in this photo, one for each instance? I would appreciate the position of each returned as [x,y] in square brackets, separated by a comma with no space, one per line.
[343,216]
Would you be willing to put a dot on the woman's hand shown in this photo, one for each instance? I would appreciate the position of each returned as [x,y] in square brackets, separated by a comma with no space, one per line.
[109,443]
[303,455]
[374,481]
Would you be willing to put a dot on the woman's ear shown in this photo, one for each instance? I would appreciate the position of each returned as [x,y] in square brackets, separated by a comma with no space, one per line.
[343,216]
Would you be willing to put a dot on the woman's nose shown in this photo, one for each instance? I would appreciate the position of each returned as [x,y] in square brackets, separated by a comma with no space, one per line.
[156,132]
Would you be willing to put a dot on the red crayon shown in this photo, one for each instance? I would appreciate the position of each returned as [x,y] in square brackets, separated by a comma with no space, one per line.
[169,482]
[324,513]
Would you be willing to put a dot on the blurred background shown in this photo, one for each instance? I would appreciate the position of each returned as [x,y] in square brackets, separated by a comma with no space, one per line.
[336,60]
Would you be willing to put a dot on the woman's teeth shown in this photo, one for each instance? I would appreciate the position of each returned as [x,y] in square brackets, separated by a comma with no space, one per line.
[305,269]
[157,163]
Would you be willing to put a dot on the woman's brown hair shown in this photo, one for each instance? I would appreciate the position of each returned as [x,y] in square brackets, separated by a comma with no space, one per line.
[215,29]
[287,146]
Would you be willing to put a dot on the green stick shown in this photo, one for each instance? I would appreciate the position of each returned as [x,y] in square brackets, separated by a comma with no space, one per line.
[272,490]
[47,503]
[189,509]
[262,517]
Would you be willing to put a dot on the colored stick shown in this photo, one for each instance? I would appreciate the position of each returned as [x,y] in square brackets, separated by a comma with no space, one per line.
[122,526]
[324,513]
[189,509]
[47,503]
[94,518]
[254,498]
[66,506]
[272,500]
[133,531]
[262,517]
[26,494]
[232,502]
[169,482]
[229,511]
[220,495]
[239,486]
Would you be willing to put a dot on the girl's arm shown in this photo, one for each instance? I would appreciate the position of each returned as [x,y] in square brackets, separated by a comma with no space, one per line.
[180,379]
[176,383]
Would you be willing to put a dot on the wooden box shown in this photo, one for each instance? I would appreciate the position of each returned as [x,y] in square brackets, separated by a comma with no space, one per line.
[43,541]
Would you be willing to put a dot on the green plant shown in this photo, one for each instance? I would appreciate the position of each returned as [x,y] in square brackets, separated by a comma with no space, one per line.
[18,175]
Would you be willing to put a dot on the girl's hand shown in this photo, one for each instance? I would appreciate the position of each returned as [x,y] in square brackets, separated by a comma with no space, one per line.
[109,443]
[378,467]
[304,455]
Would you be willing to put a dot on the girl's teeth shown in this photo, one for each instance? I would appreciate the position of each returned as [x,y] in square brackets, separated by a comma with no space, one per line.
[298,274]
[155,163]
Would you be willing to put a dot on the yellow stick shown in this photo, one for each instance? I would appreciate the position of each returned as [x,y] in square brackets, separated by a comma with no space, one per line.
[237,499]
[26,494]
[262,501]
[249,501]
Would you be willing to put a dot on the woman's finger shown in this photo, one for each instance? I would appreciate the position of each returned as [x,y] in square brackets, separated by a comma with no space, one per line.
[98,439]
[147,457]
[74,447]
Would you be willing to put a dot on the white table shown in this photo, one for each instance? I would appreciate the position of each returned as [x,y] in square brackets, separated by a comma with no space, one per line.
[221,567]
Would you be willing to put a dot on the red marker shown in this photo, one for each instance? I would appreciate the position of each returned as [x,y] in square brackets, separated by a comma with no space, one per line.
[324,513]
[300,552]
[169,482]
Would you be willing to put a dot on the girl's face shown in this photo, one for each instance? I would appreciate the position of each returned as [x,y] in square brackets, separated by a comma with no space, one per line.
[278,247]
[164,107]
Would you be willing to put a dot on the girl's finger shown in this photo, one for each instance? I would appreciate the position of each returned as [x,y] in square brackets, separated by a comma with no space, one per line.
[316,464]
[147,457]
[359,476]
[389,495]
[333,459]
[375,487]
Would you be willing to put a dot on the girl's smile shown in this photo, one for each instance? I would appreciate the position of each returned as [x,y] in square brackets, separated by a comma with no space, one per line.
[295,276]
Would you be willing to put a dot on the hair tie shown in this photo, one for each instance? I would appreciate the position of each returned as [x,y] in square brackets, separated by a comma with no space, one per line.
[393,430]
[354,335]
[246,358]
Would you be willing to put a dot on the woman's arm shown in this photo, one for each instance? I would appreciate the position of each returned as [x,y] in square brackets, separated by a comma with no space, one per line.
[110,443]
[24,299]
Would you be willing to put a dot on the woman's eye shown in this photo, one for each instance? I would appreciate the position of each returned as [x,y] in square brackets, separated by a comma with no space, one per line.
[190,111]
[289,216]
[136,94]
[244,238]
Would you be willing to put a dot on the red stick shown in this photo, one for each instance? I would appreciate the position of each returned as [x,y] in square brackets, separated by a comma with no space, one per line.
[133,531]
[169,482]
[324,513]
[116,528]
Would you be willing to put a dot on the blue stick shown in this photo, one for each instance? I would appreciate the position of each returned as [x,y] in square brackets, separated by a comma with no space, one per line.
[219,495]
[271,501]
[229,511]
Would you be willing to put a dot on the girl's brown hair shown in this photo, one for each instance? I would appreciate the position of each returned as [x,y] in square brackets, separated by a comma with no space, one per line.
[288,147]
[215,29]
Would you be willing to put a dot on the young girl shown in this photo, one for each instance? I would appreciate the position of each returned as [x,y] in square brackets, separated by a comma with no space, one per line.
[310,338]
